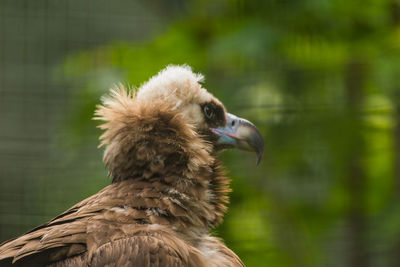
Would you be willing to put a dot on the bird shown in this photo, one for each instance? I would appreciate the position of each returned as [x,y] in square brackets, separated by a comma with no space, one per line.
[168,187]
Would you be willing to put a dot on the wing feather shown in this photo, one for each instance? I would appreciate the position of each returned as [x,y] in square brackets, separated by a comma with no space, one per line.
[147,250]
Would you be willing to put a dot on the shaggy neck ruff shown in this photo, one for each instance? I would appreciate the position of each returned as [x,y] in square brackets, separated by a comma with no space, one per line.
[153,150]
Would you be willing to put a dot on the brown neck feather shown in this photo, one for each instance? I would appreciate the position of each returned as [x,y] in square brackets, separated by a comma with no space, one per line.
[155,147]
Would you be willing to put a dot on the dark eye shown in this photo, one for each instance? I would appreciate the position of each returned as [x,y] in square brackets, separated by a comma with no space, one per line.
[209,111]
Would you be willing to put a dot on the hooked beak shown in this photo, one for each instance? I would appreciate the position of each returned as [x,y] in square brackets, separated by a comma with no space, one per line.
[240,133]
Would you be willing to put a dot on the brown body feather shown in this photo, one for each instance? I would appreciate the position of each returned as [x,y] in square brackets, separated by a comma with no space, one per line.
[168,191]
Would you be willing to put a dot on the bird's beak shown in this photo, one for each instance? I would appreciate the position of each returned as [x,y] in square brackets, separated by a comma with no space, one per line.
[240,133]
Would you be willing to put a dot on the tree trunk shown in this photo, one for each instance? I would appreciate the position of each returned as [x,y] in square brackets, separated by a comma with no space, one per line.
[356,180]
[394,10]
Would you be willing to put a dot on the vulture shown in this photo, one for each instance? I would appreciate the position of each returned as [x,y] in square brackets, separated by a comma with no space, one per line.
[168,188]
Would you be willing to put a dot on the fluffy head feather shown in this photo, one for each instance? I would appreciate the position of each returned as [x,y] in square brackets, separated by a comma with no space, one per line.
[181,90]
[158,130]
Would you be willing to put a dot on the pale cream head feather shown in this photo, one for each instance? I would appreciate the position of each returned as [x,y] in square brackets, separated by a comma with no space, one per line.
[181,87]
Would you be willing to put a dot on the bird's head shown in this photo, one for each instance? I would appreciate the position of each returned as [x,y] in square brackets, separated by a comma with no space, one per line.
[169,120]
[182,89]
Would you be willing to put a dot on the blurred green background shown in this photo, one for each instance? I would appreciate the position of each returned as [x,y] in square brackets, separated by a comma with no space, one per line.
[320,78]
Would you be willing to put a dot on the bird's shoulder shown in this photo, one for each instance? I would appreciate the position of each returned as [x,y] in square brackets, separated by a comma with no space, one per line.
[101,228]
[105,228]
[147,246]
[156,245]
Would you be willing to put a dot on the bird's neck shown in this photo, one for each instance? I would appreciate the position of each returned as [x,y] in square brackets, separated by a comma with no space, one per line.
[191,207]
[169,171]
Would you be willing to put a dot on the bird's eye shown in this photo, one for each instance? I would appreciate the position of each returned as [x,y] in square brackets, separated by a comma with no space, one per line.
[209,112]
